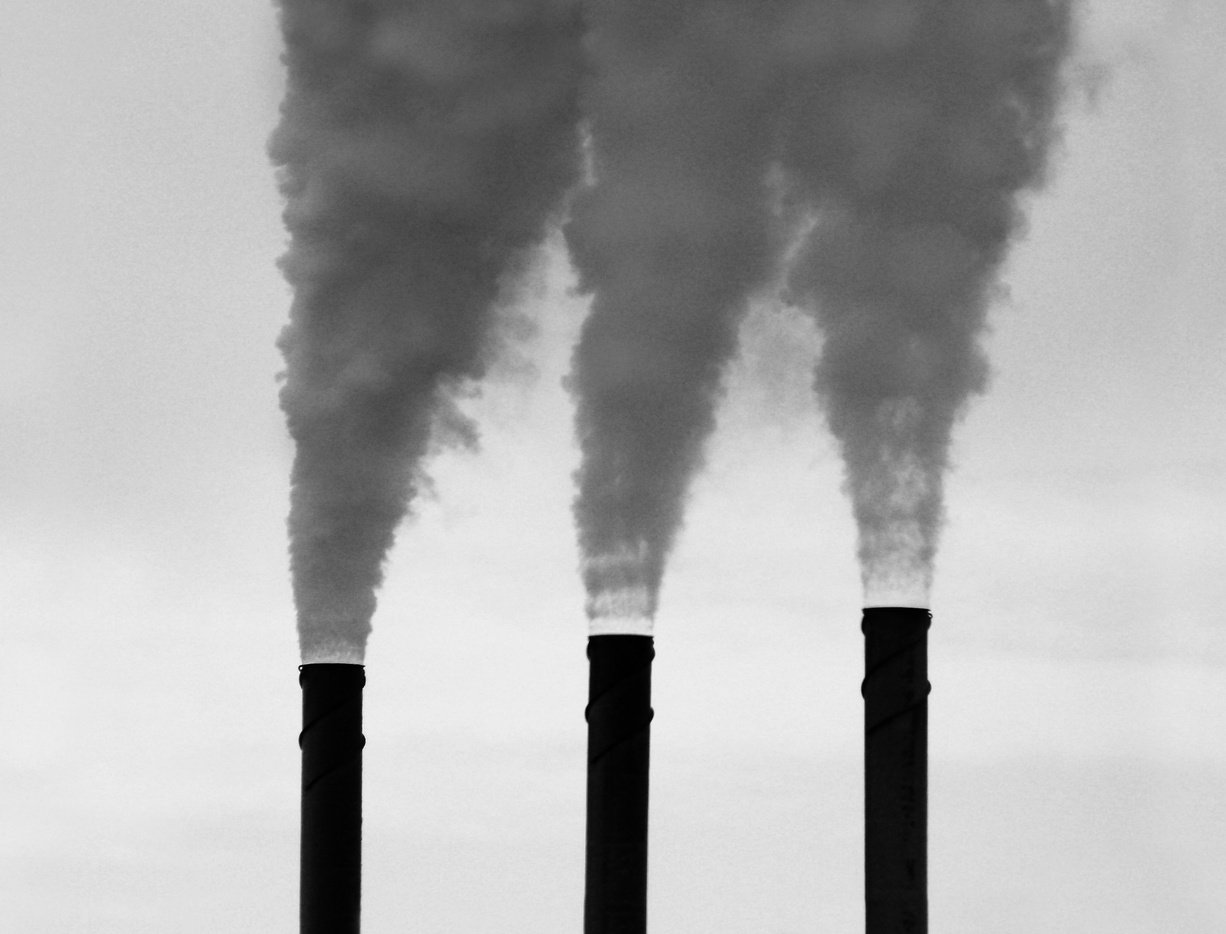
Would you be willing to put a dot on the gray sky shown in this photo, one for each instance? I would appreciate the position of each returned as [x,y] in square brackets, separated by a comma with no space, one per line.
[148,692]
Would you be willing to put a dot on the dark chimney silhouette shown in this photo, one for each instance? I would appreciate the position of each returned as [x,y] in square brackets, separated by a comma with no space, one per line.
[895,690]
[618,757]
[331,883]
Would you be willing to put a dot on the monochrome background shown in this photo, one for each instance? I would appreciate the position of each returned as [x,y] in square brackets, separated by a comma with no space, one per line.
[149,703]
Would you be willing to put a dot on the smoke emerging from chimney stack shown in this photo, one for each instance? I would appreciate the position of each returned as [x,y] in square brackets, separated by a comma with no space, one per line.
[423,149]
[871,154]
[909,129]
[868,155]
[670,239]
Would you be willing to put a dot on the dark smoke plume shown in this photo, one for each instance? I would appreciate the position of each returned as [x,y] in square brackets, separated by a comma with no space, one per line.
[671,238]
[896,135]
[909,128]
[423,148]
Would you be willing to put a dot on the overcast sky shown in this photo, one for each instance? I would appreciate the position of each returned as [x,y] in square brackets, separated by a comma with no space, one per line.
[149,704]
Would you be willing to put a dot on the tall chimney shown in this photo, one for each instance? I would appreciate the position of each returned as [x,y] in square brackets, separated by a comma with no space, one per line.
[618,745]
[895,690]
[331,741]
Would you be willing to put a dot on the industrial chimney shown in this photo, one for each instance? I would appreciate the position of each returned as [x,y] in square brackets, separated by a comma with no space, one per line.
[618,745]
[331,741]
[895,690]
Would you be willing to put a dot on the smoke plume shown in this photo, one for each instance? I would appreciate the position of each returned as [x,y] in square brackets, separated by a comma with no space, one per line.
[423,148]
[908,138]
[896,134]
[670,239]
[871,153]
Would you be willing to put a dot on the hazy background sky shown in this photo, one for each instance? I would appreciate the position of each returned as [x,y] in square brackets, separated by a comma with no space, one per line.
[149,704]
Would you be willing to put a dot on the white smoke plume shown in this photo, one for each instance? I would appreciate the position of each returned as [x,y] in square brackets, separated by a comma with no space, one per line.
[423,148]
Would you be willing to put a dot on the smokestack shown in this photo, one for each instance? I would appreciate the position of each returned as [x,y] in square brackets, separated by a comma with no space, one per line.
[331,741]
[895,690]
[424,149]
[618,745]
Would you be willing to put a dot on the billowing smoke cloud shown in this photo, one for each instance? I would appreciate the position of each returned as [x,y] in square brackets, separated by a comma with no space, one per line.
[671,239]
[423,148]
[876,149]
[909,129]
[899,134]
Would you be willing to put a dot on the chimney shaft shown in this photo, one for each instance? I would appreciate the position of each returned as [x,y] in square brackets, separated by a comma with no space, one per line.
[618,745]
[331,742]
[895,691]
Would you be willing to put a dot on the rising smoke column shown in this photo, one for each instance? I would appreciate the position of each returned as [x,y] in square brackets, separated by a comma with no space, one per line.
[423,147]
[910,128]
[670,239]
